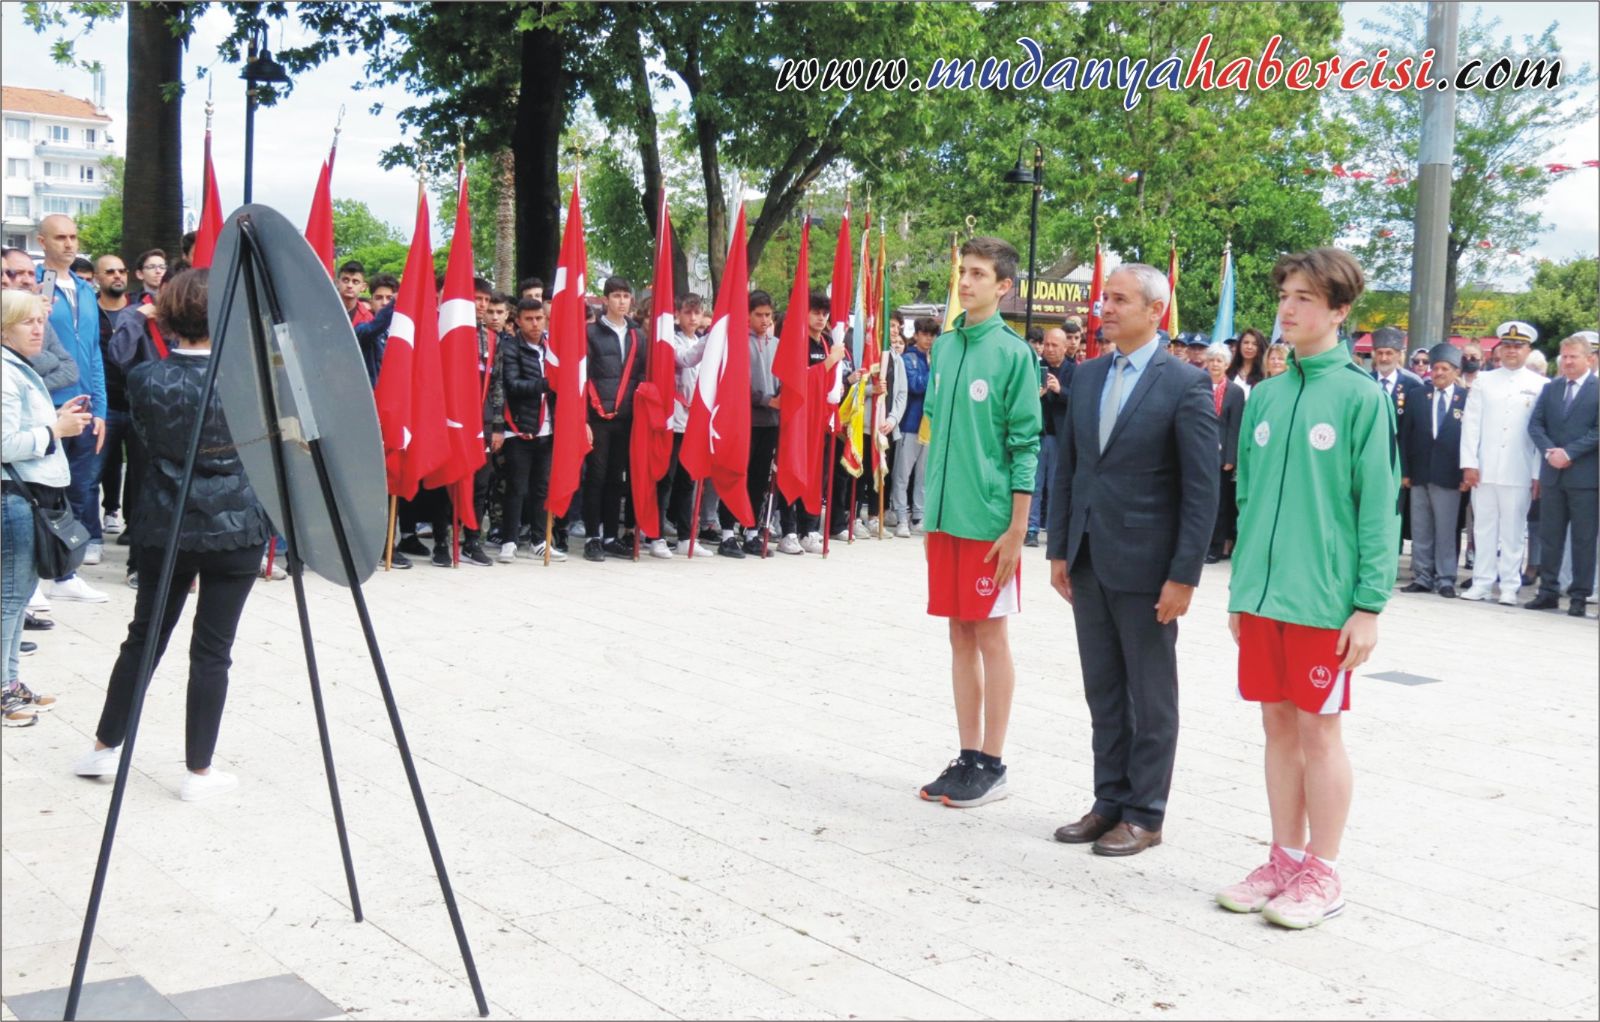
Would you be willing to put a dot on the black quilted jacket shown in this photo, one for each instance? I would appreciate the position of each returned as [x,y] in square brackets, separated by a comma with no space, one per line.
[223,513]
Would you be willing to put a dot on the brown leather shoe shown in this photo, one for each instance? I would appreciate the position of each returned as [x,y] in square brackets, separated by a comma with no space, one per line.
[1085,830]
[1126,839]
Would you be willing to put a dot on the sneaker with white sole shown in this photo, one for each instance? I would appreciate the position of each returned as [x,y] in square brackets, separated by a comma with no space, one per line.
[812,544]
[15,710]
[94,552]
[1476,593]
[863,530]
[555,554]
[275,573]
[1309,898]
[508,553]
[1508,597]
[975,786]
[198,786]
[37,603]
[36,701]
[872,526]
[903,530]
[790,544]
[98,763]
[111,524]
[1264,883]
[74,590]
[659,548]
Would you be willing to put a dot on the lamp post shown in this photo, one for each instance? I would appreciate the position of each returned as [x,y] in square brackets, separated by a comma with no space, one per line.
[1021,174]
[259,69]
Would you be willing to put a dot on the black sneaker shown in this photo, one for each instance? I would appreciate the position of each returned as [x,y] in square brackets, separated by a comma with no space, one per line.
[617,548]
[976,786]
[410,544]
[472,553]
[441,556]
[30,623]
[710,535]
[935,790]
[592,550]
[753,546]
[400,561]
[125,538]
[1032,539]
[730,548]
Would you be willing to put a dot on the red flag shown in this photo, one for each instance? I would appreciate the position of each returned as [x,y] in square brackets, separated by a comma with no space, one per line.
[409,396]
[569,360]
[458,363]
[1169,318]
[796,457]
[205,241]
[319,225]
[1096,287]
[650,447]
[839,292]
[716,442]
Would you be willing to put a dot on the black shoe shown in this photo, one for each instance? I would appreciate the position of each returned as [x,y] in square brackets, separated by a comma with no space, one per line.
[561,544]
[1416,587]
[935,790]
[975,786]
[753,547]
[1213,558]
[27,648]
[730,548]
[1576,608]
[125,539]
[410,544]
[472,553]
[1544,601]
[592,550]
[36,624]
[1031,539]
[1447,591]
[441,556]
[617,548]
[710,535]
[400,562]
[1530,578]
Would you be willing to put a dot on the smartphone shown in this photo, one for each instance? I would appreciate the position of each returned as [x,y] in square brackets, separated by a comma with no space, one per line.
[80,403]
[47,285]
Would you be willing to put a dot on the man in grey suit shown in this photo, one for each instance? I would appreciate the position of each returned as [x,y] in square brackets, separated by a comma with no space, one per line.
[1565,427]
[1131,512]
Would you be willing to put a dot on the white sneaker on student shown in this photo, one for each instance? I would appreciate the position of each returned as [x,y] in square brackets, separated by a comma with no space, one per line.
[75,590]
[659,548]
[198,786]
[508,553]
[111,524]
[903,530]
[812,544]
[94,553]
[98,763]
[538,552]
[790,544]
[1477,593]
[37,604]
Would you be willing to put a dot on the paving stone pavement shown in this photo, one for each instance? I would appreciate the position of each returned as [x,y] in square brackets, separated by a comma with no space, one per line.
[675,789]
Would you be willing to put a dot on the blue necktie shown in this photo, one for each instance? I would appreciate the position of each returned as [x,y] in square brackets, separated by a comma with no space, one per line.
[1440,404]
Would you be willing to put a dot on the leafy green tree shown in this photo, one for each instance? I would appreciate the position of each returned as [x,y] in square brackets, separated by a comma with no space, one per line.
[100,232]
[1561,300]
[355,226]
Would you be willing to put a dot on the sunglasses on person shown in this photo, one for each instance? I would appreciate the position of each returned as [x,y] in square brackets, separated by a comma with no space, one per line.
[115,273]
[14,274]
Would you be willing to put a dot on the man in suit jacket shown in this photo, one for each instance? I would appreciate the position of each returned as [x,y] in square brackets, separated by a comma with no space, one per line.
[1565,426]
[1054,384]
[1227,397]
[1404,388]
[1430,467]
[1131,512]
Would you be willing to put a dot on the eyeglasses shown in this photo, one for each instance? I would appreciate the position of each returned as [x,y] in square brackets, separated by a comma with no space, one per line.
[115,273]
[14,274]
[147,267]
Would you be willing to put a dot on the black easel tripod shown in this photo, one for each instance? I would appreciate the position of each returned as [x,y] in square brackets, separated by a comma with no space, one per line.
[268,324]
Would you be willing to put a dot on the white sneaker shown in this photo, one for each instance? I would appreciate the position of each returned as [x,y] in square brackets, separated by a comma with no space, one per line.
[917,528]
[508,553]
[1508,597]
[98,763]
[555,555]
[94,553]
[577,531]
[659,548]
[424,530]
[37,604]
[278,572]
[812,544]
[872,526]
[864,530]
[701,548]
[1475,593]
[903,530]
[891,518]
[75,590]
[790,544]
[111,524]
[198,786]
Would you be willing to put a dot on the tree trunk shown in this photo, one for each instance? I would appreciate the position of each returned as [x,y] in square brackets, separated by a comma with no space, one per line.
[705,131]
[152,195]
[631,51]
[541,114]
[505,220]
[785,190]
[1454,250]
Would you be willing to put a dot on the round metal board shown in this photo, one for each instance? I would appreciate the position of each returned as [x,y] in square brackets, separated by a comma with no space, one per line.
[318,388]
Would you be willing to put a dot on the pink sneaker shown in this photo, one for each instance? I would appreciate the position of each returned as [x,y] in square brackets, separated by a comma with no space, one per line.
[1310,897]
[1264,883]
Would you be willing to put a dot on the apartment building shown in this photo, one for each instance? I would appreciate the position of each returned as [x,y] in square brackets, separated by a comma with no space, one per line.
[52,145]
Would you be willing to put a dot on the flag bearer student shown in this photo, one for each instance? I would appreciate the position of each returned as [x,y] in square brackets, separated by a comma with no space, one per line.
[491,320]
[801,534]
[905,497]
[616,365]
[1318,547]
[982,456]
[530,418]
[675,490]
[834,354]
[763,433]
[1430,465]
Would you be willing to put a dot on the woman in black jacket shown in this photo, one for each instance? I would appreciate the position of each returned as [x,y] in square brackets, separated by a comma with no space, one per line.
[219,539]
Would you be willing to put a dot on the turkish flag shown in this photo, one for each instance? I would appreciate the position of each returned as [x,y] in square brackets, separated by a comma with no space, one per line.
[409,396]
[1091,331]
[650,446]
[716,442]
[839,291]
[796,455]
[319,225]
[569,360]
[205,240]
[458,363]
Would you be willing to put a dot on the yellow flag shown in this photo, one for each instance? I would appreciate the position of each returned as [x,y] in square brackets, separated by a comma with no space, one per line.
[852,413]
[952,302]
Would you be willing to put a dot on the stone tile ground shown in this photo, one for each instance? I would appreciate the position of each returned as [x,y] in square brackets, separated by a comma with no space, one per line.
[686,790]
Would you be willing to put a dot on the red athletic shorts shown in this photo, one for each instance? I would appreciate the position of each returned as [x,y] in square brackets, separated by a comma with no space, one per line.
[1279,661]
[961,585]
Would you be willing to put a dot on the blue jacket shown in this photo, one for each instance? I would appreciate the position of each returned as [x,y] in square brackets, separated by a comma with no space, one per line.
[79,332]
[916,364]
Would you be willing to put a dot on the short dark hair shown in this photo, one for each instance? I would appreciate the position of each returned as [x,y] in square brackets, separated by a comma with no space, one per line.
[820,302]
[1334,274]
[926,325]
[1036,335]
[615,284]
[1072,326]
[527,282]
[529,305]
[80,264]
[181,307]
[501,298]
[760,298]
[352,266]
[188,241]
[176,268]
[998,251]
[144,257]
[690,302]
[481,286]
[387,280]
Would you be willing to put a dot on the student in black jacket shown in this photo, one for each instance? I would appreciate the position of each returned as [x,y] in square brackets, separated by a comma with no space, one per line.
[1430,470]
[529,422]
[1227,398]
[618,360]
[219,539]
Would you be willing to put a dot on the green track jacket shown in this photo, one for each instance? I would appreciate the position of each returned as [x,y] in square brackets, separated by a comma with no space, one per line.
[984,400]
[1319,478]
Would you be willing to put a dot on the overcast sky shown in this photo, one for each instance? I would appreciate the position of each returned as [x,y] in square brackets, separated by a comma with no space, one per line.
[292,138]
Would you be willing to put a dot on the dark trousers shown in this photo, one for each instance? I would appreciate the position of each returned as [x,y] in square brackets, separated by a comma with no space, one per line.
[1227,515]
[603,482]
[675,494]
[482,481]
[119,431]
[758,473]
[1130,681]
[429,505]
[527,485]
[226,577]
[838,508]
[85,466]
[1560,509]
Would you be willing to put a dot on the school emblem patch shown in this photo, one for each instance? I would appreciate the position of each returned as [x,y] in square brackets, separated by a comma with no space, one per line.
[1263,433]
[1323,436]
[1321,677]
[979,390]
[985,586]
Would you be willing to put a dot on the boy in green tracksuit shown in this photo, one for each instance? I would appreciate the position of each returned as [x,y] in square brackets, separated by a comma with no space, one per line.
[1315,561]
[984,448]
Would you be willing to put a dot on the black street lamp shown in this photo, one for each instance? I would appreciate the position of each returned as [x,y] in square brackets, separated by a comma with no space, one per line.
[1021,174]
[259,69]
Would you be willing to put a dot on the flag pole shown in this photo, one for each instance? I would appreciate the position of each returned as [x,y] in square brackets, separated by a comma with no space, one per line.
[827,501]
[694,516]
[772,495]
[549,529]
[388,541]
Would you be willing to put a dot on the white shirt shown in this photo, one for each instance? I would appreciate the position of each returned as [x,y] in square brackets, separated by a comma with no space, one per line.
[1494,426]
[1446,395]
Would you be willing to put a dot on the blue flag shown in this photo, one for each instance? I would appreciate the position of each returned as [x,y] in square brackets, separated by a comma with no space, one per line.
[1223,328]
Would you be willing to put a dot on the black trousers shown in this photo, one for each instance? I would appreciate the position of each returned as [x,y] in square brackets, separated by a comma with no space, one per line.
[1130,681]
[758,473]
[603,482]
[1227,515]
[430,505]
[527,485]
[838,509]
[226,577]
[482,482]
[675,494]
[1562,508]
